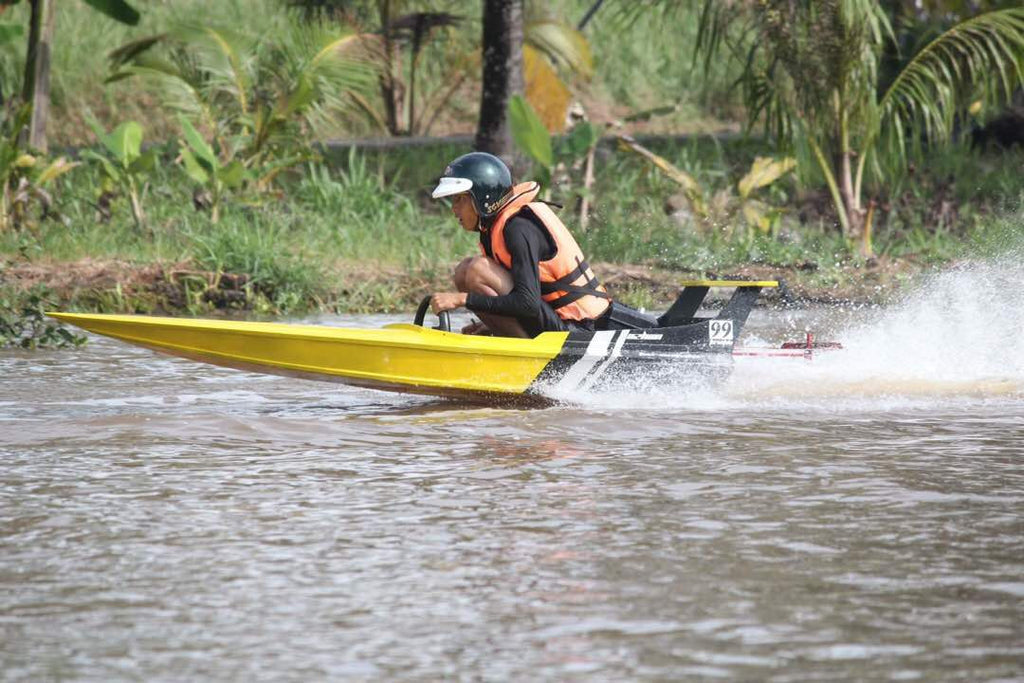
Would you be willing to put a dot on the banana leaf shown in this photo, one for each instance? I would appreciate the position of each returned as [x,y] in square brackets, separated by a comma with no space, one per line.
[529,131]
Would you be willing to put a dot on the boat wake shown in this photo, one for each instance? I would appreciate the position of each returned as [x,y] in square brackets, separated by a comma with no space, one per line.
[959,336]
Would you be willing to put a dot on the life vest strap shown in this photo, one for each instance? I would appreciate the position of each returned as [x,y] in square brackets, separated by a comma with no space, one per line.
[560,285]
[575,293]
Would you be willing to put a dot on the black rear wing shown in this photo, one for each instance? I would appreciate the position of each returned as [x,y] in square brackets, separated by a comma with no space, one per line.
[737,309]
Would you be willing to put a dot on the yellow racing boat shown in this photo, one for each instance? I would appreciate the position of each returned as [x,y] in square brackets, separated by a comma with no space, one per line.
[414,358]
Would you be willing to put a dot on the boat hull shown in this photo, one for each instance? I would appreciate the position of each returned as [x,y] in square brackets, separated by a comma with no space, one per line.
[410,358]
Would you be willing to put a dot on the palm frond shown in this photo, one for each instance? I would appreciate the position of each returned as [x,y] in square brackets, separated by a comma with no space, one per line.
[319,72]
[766,93]
[625,13]
[128,52]
[370,113]
[227,60]
[715,20]
[984,50]
[563,45]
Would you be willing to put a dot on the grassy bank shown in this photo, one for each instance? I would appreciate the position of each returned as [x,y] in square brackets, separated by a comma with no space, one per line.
[358,232]
[364,236]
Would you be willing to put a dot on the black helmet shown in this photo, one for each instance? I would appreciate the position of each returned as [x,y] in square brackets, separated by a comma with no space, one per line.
[484,176]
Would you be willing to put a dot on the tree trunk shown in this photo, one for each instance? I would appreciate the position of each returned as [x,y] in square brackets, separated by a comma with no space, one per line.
[2,9]
[588,182]
[37,70]
[388,81]
[502,75]
[854,223]
[855,215]
[140,216]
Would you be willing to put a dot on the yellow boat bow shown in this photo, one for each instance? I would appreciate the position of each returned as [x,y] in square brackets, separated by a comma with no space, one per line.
[412,358]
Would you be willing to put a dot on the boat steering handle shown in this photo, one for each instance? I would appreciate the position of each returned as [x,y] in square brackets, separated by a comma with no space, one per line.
[443,318]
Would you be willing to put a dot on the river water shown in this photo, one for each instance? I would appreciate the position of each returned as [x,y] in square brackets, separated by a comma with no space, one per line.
[858,516]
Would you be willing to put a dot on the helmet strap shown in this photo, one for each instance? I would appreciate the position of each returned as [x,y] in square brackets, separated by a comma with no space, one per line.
[484,223]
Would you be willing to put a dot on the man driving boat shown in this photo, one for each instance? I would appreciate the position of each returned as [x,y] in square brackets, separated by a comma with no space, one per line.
[532,276]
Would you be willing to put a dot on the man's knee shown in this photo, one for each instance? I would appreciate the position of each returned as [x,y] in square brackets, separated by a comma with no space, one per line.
[482,275]
[459,274]
[479,272]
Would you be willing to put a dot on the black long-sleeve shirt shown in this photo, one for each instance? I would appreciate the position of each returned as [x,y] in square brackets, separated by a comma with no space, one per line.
[528,243]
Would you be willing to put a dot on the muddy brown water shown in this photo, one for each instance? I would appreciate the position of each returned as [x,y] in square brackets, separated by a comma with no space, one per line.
[164,520]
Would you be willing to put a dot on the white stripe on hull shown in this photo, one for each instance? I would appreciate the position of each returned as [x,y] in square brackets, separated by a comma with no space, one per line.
[596,350]
[616,350]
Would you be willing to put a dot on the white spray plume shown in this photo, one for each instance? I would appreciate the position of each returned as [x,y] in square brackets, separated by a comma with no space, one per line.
[957,336]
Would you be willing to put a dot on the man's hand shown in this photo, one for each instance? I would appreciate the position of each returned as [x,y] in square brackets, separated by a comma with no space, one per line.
[447,301]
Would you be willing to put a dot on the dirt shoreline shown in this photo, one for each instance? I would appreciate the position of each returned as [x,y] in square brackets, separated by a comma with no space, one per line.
[110,285]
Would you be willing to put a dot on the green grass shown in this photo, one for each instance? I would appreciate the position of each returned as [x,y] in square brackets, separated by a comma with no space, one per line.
[647,62]
[84,37]
[320,212]
[334,237]
[298,250]
[1001,237]
[947,198]
[630,74]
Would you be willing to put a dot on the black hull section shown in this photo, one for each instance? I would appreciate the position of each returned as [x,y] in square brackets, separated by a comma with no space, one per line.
[686,356]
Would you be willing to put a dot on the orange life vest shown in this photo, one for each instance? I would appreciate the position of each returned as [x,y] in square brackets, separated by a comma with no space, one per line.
[566,281]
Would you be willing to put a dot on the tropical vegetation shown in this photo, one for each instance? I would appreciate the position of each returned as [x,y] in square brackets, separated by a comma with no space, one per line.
[200,149]
[814,75]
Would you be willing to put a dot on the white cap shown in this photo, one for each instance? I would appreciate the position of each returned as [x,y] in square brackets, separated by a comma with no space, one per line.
[449,186]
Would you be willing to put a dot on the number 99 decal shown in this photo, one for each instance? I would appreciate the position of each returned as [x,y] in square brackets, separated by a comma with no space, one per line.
[720,333]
